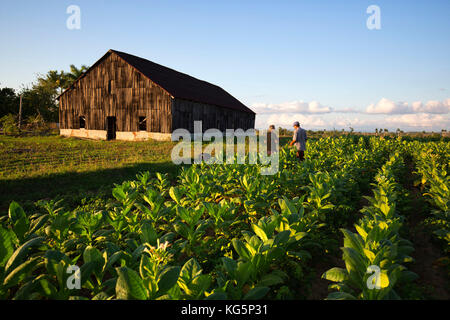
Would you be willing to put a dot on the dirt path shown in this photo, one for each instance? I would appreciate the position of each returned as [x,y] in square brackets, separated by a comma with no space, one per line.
[319,286]
[433,278]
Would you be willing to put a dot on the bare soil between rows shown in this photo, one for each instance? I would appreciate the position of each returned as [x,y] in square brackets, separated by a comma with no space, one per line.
[428,255]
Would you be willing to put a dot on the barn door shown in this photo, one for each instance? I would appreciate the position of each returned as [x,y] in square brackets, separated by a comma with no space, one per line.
[111,128]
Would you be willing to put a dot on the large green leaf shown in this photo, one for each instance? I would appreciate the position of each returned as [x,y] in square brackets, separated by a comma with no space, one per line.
[148,234]
[369,255]
[175,194]
[19,219]
[230,265]
[20,253]
[101,296]
[217,296]
[282,237]
[352,240]
[256,293]
[116,257]
[270,280]
[191,269]
[259,232]
[119,194]
[361,232]
[286,206]
[27,290]
[38,223]
[335,274]
[129,285]
[6,246]
[20,272]
[94,256]
[353,261]
[167,279]
[241,249]
[191,280]
[46,288]
[16,212]
[52,258]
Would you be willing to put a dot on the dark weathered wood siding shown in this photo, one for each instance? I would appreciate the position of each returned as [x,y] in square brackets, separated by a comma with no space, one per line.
[186,112]
[114,88]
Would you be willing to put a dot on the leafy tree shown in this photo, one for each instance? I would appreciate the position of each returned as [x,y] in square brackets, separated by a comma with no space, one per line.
[9,101]
[52,81]
[40,100]
[60,80]
[74,74]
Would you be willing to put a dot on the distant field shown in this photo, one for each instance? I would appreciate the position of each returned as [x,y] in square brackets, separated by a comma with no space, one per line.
[32,168]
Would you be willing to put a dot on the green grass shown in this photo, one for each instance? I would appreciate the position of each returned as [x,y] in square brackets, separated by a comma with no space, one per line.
[33,168]
[47,167]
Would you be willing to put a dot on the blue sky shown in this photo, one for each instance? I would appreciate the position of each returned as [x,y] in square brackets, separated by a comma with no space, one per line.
[314,61]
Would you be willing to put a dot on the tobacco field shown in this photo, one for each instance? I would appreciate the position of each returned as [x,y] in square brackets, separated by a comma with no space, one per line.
[341,218]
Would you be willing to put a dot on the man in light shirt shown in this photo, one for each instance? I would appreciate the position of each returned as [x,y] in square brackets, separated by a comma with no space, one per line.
[299,140]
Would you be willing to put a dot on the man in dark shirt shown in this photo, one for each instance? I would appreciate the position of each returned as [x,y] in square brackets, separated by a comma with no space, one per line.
[299,140]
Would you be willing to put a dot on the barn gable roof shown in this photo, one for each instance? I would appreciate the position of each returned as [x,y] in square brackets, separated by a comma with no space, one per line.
[178,84]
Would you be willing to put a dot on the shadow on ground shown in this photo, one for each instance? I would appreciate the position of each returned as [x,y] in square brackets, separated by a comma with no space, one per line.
[74,185]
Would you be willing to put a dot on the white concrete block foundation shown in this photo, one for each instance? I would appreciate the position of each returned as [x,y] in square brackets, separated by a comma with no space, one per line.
[120,135]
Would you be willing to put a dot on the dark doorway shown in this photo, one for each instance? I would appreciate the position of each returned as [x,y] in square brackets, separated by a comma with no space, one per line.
[82,122]
[111,128]
[142,124]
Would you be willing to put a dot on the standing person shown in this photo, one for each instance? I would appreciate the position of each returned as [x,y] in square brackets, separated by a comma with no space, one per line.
[299,139]
[271,132]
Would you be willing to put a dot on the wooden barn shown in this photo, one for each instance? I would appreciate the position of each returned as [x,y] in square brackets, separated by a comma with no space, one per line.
[130,98]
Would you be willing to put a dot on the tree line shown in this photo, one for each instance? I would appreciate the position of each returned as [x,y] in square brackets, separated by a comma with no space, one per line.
[39,99]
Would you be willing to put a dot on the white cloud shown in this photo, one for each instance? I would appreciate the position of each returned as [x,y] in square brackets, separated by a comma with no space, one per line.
[286,120]
[347,110]
[362,122]
[432,106]
[416,116]
[386,106]
[312,107]
[419,120]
